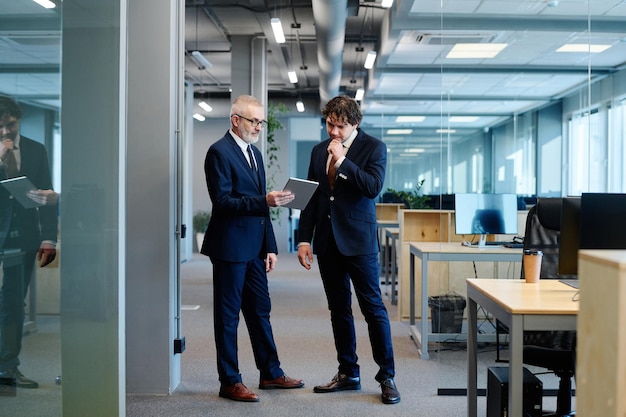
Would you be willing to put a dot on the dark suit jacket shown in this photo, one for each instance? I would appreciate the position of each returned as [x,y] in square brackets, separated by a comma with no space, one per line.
[240,227]
[36,224]
[350,210]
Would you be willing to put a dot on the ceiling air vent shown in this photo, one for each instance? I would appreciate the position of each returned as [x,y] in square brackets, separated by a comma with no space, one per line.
[452,39]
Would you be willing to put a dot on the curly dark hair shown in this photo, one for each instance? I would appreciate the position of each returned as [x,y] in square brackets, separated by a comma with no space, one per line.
[344,109]
[9,107]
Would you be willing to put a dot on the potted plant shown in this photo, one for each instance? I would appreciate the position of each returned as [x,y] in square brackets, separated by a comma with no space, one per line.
[414,199]
[200,223]
[273,167]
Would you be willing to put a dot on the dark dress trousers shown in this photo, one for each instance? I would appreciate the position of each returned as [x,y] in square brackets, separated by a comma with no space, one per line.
[23,229]
[341,224]
[237,240]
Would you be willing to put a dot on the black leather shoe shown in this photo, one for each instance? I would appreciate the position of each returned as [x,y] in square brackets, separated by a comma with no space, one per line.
[340,382]
[390,392]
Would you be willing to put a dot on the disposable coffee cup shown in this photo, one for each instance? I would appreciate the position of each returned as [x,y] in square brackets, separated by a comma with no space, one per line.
[532,265]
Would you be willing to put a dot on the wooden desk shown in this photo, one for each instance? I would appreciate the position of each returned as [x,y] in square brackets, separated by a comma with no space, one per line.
[601,339]
[391,278]
[547,305]
[444,251]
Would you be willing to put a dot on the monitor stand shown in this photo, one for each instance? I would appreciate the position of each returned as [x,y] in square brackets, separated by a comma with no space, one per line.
[483,244]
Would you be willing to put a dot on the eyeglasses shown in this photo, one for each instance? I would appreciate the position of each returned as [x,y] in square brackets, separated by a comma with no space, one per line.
[253,122]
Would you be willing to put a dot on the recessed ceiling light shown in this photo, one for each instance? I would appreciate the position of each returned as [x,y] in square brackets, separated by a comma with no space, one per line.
[445,130]
[399,131]
[476,50]
[410,119]
[583,47]
[463,119]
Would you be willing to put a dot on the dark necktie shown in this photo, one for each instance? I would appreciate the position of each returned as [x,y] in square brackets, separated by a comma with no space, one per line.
[332,172]
[252,161]
[11,164]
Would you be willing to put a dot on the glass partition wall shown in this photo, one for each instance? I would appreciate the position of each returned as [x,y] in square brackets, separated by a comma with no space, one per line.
[30,352]
[539,114]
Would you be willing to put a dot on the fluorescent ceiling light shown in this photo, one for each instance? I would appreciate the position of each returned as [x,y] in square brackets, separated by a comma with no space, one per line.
[414,150]
[300,106]
[408,154]
[463,119]
[386,4]
[399,131]
[277,27]
[370,59]
[359,94]
[583,47]
[46,3]
[205,106]
[410,119]
[293,77]
[199,117]
[445,131]
[200,60]
[476,50]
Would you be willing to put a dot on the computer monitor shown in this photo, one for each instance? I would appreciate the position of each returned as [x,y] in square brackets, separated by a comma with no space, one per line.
[569,239]
[602,221]
[483,214]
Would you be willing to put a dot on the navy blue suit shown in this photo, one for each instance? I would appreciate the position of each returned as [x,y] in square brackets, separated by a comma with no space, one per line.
[342,227]
[237,240]
[23,229]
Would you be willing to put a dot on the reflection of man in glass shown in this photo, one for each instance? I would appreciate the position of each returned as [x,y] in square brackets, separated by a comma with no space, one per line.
[31,231]
[487,222]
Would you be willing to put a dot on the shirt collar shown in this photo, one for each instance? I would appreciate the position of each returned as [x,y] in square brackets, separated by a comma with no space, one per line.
[240,142]
[348,142]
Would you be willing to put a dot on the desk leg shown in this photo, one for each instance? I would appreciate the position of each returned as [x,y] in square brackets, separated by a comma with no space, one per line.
[424,322]
[393,276]
[387,259]
[516,347]
[472,346]
[412,290]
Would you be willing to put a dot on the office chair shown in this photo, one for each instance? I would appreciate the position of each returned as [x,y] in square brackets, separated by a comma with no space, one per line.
[553,350]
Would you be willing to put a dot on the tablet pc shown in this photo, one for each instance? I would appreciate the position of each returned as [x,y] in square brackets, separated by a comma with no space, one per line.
[303,190]
[19,187]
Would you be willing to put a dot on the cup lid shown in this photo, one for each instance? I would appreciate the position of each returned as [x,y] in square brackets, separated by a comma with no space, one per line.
[532,252]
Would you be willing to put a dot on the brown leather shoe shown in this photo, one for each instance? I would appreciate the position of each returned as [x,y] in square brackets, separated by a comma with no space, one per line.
[390,394]
[282,382]
[238,392]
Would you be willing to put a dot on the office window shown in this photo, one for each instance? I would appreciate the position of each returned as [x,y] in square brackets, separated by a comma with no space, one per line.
[587,153]
[617,149]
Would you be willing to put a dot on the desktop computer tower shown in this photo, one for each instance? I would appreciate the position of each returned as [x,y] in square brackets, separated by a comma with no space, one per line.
[498,393]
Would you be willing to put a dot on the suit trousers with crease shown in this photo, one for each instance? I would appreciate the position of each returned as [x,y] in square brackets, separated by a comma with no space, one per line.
[336,271]
[242,286]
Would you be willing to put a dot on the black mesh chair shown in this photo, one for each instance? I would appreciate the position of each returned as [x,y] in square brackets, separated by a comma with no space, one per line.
[553,350]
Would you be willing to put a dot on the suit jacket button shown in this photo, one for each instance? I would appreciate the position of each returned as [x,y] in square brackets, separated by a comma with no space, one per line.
[332,198]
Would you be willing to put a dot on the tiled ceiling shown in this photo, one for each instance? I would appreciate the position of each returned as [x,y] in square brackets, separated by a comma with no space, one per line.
[412,75]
